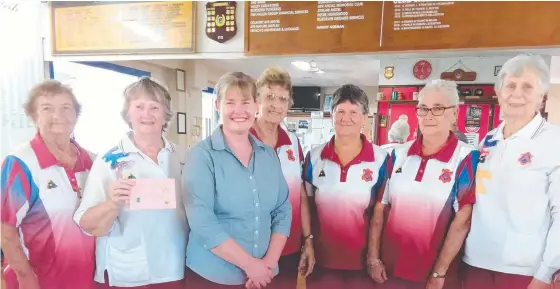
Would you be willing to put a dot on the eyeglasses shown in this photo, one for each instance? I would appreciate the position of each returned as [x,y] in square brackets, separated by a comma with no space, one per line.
[282,98]
[436,111]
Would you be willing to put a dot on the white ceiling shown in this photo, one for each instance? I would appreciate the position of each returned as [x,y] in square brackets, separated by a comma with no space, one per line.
[356,69]
[339,69]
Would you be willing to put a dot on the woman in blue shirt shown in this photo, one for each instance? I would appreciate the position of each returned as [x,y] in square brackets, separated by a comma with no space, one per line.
[239,215]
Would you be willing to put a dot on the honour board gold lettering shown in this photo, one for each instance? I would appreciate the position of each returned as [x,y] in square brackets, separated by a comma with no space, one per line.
[135,27]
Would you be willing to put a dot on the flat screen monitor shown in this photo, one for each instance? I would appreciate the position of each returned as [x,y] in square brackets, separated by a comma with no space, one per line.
[307,98]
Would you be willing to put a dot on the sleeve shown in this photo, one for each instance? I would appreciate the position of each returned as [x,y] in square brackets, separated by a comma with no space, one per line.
[199,191]
[551,256]
[308,175]
[301,156]
[384,195]
[381,179]
[95,191]
[19,192]
[465,183]
[282,214]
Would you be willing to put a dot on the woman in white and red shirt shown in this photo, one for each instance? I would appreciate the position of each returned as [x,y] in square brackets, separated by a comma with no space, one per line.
[274,99]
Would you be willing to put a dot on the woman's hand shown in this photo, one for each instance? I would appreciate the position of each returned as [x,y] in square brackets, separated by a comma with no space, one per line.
[307,259]
[119,190]
[259,274]
[377,271]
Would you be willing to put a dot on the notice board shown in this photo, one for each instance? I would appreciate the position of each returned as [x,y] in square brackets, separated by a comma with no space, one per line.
[95,27]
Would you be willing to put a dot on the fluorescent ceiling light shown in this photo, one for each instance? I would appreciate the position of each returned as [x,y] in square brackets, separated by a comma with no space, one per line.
[302,65]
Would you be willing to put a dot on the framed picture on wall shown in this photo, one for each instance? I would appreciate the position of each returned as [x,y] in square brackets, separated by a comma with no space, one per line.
[497,69]
[181,80]
[328,103]
[181,123]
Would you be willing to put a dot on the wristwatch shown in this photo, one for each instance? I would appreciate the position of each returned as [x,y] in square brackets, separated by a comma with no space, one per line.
[310,236]
[437,275]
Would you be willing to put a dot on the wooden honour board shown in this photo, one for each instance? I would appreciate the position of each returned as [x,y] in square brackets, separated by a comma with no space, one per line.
[298,27]
[309,27]
[92,27]
[409,25]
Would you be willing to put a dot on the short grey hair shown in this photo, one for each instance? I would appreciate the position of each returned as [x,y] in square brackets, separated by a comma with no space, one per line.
[353,94]
[517,65]
[151,88]
[239,80]
[447,87]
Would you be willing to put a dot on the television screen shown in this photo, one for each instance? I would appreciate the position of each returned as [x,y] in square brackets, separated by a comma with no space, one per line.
[307,98]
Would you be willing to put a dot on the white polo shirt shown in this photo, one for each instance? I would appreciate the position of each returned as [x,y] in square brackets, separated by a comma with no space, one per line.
[425,192]
[516,220]
[143,247]
[344,197]
[291,159]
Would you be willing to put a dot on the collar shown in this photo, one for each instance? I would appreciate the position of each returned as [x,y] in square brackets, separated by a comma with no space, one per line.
[283,137]
[443,155]
[46,158]
[127,145]
[365,155]
[529,131]
[219,142]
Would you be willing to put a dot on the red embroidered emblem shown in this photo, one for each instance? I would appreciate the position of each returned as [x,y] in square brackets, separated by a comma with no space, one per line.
[445,176]
[367,175]
[525,159]
[290,154]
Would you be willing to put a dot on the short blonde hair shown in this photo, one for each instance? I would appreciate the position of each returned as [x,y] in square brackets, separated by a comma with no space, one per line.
[239,80]
[276,76]
[154,90]
[48,88]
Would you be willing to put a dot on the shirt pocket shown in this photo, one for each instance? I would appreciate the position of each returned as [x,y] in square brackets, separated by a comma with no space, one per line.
[128,266]
[522,250]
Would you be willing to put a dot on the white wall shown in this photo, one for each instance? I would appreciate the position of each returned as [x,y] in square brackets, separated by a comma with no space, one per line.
[21,67]
[483,66]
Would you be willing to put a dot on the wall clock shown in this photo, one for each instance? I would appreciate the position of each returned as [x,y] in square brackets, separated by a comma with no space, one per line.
[422,69]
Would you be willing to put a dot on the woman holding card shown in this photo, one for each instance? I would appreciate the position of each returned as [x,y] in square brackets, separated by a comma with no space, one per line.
[139,244]
[236,198]
[274,99]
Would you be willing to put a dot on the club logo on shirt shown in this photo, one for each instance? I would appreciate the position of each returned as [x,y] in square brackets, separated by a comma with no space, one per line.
[398,171]
[322,173]
[445,176]
[367,175]
[525,158]
[290,154]
[51,185]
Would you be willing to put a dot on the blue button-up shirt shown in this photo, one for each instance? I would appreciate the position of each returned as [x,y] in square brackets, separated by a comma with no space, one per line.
[224,199]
